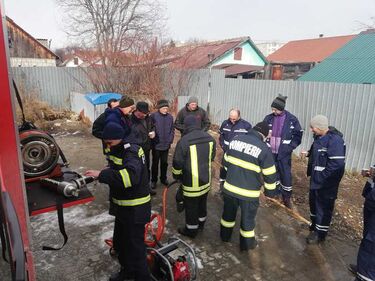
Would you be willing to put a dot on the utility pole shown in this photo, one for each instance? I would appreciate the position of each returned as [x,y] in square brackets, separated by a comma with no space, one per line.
[210,59]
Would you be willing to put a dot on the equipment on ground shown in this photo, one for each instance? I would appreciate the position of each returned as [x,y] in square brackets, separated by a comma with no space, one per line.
[174,260]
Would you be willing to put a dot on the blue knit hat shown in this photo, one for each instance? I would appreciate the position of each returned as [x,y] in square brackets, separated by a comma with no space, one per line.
[113,131]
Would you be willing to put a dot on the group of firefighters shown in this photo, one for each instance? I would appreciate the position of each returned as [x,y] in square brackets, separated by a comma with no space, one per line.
[253,157]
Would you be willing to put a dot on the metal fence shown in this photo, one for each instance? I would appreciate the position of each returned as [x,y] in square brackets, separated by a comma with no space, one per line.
[349,107]
[52,84]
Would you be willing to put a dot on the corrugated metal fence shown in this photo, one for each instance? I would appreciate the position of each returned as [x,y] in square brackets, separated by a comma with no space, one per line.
[349,107]
[52,84]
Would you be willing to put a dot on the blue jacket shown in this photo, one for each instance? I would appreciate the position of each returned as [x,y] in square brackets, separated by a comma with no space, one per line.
[115,115]
[164,130]
[132,134]
[291,134]
[369,190]
[228,131]
[327,162]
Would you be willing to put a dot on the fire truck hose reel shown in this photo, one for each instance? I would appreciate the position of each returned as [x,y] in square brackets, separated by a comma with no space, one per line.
[40,153]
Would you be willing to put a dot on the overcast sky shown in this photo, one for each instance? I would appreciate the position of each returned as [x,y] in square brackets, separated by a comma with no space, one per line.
[262,20]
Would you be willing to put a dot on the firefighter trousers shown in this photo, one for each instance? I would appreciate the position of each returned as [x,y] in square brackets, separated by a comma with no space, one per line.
[195,213]
[366,252]
[130,244]
[321,211]
[284,175]
[228,221]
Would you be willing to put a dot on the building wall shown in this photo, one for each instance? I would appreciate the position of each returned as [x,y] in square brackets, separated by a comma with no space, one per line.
[249,57]
[31,62]
[268,48]
[71,63]
[22,45]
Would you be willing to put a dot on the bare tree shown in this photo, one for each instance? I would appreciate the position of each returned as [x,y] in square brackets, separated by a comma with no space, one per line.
[112,27]
[364,26]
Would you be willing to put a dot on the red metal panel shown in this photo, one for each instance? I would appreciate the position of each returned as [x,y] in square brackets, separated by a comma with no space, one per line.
[11,173]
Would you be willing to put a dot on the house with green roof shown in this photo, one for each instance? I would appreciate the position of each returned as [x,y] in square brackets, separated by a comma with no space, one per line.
[352,63]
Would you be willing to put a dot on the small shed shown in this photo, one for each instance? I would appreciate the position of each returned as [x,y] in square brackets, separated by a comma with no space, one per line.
[92,104]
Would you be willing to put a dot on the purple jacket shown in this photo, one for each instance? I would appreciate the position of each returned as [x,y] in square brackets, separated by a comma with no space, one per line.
[164,130]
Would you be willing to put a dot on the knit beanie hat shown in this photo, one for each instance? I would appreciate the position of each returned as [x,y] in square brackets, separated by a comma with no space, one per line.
[162,103]
[193,100]
[279,102]
[142,106]
[113,131]
[263,128]
[190,121]
[126,101]
[111,101]
[319,122]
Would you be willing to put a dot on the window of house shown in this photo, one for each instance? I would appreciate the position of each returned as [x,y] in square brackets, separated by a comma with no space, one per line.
[76,61]
[238,53]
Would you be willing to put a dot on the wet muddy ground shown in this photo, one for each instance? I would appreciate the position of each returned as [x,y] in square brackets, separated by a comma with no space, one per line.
[282,253]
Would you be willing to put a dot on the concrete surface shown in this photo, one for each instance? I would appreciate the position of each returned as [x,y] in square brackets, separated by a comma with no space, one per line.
[282,253]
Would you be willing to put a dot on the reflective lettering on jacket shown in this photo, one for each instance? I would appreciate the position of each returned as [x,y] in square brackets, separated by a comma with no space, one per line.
[247,161]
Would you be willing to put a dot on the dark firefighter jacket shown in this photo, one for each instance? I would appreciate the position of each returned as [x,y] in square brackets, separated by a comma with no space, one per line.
[142,128]
[127,178]
[98,127]
[369,190]
[291,134]
[327,162]
[199,113]
[246,160]
[228,131]
[192,161]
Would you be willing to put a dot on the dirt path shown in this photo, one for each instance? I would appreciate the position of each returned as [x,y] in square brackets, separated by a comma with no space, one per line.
[282,253]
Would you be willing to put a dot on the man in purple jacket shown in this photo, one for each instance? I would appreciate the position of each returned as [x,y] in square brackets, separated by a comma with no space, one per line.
[164,134]
[285,136]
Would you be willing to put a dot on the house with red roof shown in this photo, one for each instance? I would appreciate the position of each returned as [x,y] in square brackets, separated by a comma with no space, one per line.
[239,57]
[297,57]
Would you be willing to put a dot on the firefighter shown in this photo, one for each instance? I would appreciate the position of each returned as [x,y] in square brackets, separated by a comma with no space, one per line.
[130,192]
[286,135]
[192,108]
[247,158]
[326,167]
[365,268]
[192,165]
[230,128]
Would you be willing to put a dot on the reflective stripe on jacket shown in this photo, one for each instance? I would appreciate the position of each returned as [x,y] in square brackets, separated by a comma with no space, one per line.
[327,162]
[248,159]
[129,181]
[192,160]
[228,131]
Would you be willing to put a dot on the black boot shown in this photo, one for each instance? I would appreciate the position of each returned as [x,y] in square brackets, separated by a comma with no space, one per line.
[186,232]
[287,201]
[201,226]
[314,238]
[121,276]
[153,185]
[353,269]
[253,244]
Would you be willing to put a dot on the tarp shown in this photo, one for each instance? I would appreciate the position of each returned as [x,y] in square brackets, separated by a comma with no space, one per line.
[101,98]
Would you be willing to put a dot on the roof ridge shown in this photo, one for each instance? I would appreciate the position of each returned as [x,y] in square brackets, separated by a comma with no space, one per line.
[322,38]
